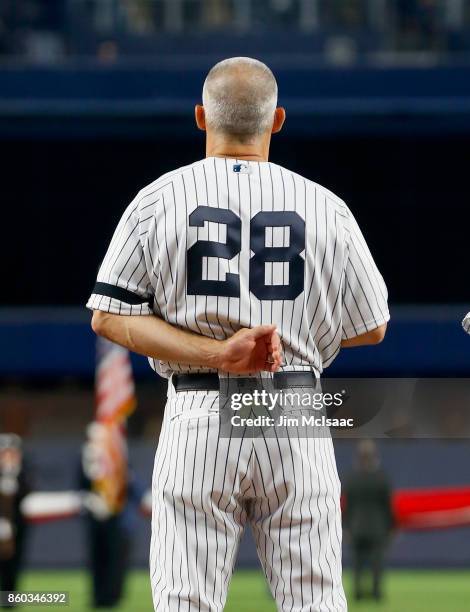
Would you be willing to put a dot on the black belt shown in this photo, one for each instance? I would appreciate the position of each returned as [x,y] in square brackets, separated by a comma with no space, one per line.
[211,382]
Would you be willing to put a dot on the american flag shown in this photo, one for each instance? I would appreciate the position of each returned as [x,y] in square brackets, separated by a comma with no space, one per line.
[114,385]
[115,400]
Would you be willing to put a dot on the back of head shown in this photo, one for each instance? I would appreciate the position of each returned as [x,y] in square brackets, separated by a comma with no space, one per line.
[240,98]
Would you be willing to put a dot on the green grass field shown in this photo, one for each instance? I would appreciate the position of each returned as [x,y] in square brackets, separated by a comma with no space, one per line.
[406,591]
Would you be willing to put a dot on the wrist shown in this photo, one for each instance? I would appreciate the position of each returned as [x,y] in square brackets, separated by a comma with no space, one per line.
[214,353]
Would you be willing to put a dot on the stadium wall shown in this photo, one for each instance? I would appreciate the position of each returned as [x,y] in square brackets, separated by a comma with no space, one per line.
[422,341]
[408,464]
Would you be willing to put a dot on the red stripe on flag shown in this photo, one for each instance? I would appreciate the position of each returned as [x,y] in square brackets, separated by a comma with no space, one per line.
[114,387]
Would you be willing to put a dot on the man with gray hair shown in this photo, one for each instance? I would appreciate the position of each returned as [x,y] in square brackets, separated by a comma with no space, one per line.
[207,262]
[240,98]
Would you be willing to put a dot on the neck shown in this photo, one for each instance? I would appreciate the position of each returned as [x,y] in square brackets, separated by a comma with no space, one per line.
[251,151]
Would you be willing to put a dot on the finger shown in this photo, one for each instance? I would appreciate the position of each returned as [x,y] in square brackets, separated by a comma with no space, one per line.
[271,367]
[273,340]
[278,362]
[274,358]
[275,349]
[262,330]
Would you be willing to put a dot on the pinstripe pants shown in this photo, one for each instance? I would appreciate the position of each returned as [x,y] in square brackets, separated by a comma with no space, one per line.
[207,488]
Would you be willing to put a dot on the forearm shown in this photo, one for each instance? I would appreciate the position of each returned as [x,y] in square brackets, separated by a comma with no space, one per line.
[153,337]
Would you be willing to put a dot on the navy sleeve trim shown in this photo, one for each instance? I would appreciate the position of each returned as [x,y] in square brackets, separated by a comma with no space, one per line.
[123,295]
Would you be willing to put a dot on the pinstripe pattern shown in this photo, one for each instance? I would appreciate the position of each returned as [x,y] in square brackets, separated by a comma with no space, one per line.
[286,489]
[344,293]
[206,488]
[466,323]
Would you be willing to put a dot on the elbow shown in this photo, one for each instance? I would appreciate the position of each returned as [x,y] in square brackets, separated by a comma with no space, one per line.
[377,335]
[98,322]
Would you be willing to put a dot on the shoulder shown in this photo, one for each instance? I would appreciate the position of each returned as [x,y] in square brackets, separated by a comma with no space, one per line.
[147,202]
[321,193]
[148,197]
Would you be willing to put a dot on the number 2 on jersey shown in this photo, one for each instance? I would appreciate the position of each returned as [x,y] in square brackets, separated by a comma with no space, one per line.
[230,287]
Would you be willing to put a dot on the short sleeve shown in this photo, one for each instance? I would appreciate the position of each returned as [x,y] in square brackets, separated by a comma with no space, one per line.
[466,323]
[365,296]
[123,286]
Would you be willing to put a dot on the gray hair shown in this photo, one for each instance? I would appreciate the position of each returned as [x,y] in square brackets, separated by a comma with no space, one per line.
[240,97]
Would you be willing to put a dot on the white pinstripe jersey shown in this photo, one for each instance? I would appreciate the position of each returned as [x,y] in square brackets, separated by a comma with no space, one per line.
[466,323]
[223,244]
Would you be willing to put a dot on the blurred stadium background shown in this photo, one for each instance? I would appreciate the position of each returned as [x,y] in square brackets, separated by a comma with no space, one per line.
[96,100]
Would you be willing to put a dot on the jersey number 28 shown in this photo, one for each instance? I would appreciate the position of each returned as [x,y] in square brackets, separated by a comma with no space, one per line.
[230,287]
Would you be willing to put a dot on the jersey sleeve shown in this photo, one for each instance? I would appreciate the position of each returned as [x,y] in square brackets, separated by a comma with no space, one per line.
[123,286]
[466,323]
[365,296]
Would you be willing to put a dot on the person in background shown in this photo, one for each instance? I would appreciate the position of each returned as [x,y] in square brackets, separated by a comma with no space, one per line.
[368,518]
[110,527]
[13,488]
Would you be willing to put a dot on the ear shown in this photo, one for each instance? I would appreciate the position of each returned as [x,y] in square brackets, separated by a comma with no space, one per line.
[200,116]
[279,119]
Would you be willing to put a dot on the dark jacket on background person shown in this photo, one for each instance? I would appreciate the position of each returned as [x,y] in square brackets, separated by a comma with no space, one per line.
[109,545]
[368,511]
[368,520]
